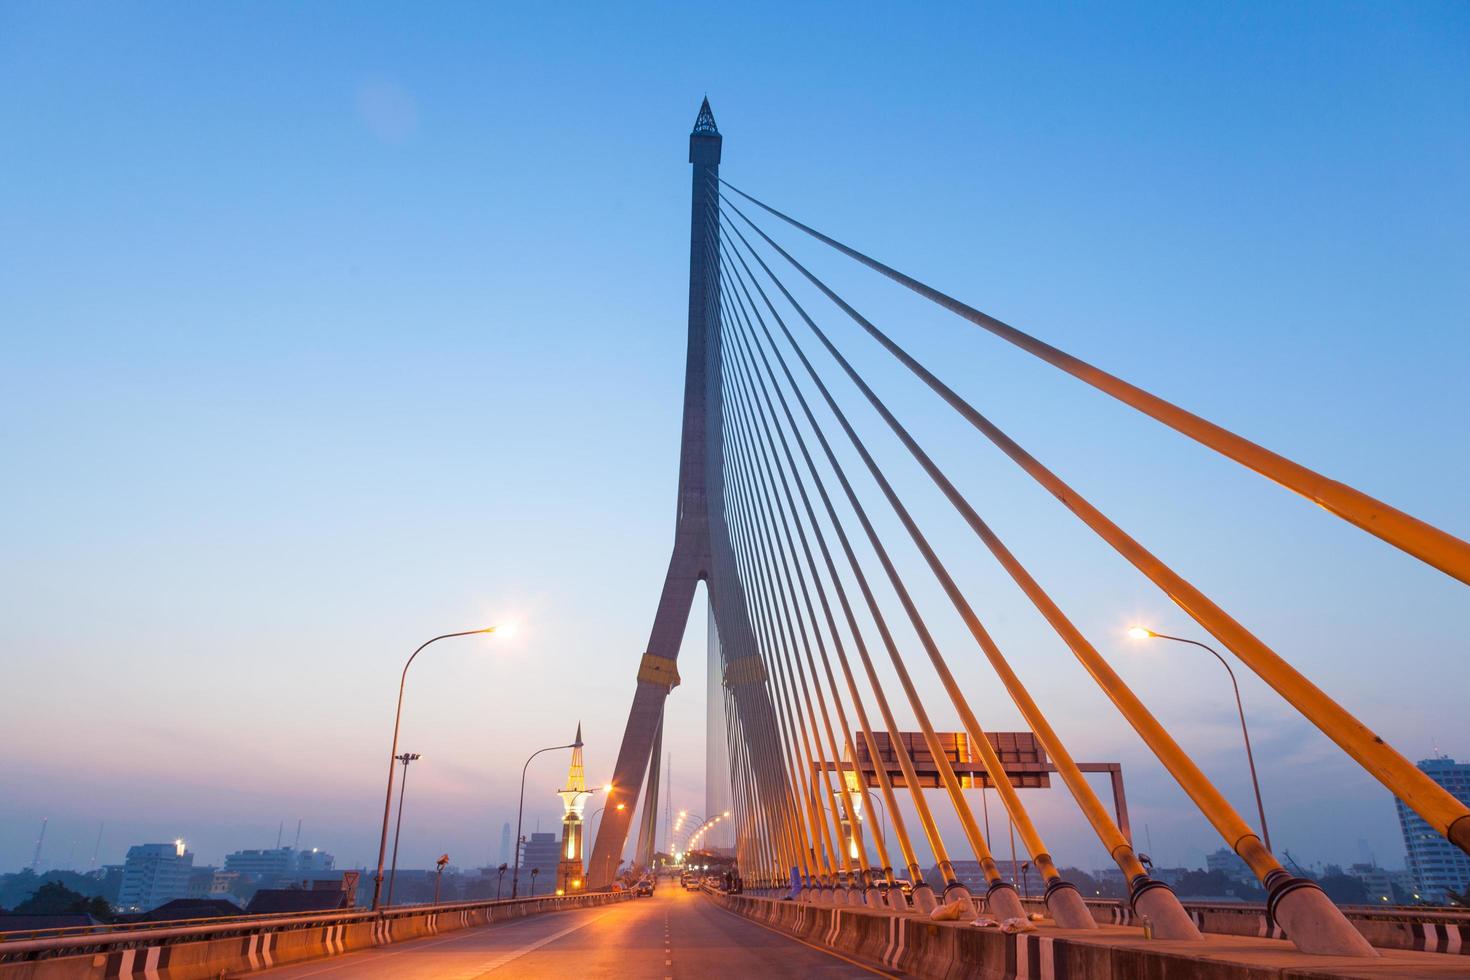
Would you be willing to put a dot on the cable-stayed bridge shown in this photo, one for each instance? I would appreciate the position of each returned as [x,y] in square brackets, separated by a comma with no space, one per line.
[824,651]
[769,518]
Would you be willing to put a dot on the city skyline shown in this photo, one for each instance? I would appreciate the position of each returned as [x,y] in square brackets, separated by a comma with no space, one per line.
[259,476]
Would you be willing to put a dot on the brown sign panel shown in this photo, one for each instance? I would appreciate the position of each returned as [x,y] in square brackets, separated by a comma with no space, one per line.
[1020,754]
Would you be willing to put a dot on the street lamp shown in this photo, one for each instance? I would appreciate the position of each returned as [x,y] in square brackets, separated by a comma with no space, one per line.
[1144,633]
[595,813]
[515,876]
[405,758]
[882,814]
[699,831]
[393,757]
[440,864]
[683,815]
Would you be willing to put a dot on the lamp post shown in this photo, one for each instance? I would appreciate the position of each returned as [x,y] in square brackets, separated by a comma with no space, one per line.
[515,876]
[683,815]
[393,757]
[699,831]
[441,863]
[882,815]
[595,813]
[499,880]
[534,873]
[405,758]
[1143,633]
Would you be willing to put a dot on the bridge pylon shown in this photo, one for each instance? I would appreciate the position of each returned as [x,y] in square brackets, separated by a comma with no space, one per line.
[702,548]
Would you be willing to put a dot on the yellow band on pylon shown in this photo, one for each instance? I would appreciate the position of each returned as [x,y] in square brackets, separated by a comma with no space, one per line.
[658,670]
[746,670]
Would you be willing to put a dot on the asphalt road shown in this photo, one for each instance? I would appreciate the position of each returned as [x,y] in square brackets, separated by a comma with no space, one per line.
[674,934]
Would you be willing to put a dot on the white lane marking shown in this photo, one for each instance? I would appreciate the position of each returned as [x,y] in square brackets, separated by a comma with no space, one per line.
[532,947]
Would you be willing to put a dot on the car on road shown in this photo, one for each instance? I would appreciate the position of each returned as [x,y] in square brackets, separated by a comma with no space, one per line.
[643,887]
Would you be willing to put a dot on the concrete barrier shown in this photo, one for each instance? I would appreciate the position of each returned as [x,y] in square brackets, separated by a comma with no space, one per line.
[919,947]
[240,945]
[1428,929]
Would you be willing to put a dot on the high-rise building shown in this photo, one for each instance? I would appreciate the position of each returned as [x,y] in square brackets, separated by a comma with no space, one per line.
[543,852]
[1437,865]
[268,867]
[314,861]
[573,800]
[154,874]
[505,843]
[1381,884]
[277,867]
[1230,864]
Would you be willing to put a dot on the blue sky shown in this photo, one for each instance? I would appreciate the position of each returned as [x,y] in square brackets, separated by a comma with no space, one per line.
[329,328]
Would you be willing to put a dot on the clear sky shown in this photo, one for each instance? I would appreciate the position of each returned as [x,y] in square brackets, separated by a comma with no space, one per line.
[330,327]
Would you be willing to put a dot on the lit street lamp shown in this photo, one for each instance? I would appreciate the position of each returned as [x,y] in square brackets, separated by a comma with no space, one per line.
[405,758]
[679,824]
[595,813]
[700,830]
[1144,633]
[515,876]
[393,757]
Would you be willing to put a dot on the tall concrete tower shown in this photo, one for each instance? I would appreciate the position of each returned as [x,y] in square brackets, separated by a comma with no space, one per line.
[569,874]
[702,553]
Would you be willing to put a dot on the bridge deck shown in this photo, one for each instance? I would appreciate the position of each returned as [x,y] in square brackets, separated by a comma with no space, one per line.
[673,934]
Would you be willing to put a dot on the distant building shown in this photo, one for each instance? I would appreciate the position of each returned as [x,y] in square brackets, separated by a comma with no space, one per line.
[314,861]
[223,883]
[154,874]
[266,867]
[201,880]
[541,851]
[972,876]
[1437,865]
[1380,883]
[1170,876]
[279,866]
[1230,864]
[968,873]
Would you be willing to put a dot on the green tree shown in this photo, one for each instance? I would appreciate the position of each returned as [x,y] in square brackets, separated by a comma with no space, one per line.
[54,898]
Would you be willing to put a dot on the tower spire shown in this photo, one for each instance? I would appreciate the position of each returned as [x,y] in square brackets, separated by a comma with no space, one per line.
[574,803]
[704,125]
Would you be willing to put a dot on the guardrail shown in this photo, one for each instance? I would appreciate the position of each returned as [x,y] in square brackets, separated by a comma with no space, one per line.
[192,949]
[106,928]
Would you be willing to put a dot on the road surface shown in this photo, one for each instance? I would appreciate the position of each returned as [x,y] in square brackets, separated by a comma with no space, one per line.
[674,934]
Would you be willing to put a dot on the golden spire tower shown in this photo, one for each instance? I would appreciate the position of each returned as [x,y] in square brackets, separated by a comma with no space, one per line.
[574,801]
